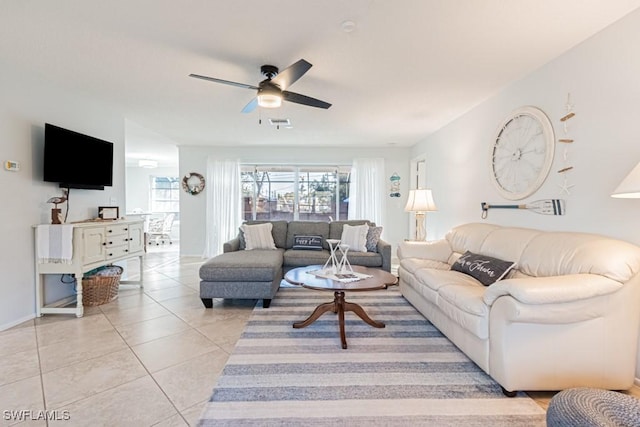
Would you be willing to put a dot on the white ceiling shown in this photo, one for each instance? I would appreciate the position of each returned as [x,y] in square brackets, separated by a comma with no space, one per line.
[408,68]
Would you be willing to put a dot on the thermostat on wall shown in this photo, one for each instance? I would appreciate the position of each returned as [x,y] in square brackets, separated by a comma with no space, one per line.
[10,165]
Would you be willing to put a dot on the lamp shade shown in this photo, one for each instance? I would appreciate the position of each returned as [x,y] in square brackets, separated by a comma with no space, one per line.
[269,97]
[420,200]
[629,188]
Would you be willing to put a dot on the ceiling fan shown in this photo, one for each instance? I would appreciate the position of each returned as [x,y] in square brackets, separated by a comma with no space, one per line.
[272,90]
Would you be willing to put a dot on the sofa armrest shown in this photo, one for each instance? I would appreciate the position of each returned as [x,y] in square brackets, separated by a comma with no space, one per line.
[552,289]
[438,250]
[384,249]
[232,245]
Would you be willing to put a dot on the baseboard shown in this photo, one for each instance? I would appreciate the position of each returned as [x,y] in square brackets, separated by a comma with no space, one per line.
[17,322]
[637,382]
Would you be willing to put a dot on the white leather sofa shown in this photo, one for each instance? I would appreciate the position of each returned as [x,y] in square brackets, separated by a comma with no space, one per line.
[567,315]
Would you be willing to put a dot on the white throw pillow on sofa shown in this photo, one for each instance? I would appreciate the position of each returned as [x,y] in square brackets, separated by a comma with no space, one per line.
[355,236]
[258,236]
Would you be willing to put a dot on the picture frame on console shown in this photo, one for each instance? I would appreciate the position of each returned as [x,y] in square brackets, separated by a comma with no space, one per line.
[108,212]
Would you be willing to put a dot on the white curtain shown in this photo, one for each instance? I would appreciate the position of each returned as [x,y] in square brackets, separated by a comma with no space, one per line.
[224,204]
[367,190]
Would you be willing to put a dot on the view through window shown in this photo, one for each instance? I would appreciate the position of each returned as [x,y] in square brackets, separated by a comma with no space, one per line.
[319,193]
[165,195]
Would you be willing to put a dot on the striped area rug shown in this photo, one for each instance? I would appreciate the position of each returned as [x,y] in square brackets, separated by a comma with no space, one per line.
[405,374]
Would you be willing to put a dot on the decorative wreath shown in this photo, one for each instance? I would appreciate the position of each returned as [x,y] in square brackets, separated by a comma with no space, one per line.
[193,183]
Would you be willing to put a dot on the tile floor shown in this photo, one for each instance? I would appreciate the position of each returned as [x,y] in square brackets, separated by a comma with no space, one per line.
[149,358]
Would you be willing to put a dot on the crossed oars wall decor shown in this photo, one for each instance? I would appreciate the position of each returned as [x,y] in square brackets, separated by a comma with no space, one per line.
[544,207]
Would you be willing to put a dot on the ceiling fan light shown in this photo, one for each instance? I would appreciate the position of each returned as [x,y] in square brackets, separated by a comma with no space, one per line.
[269,100]
[147,163]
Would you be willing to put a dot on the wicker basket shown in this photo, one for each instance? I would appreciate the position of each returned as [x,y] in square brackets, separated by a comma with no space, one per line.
[101,287]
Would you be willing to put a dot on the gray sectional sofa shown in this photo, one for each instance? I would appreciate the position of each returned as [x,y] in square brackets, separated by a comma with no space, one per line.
[257,273]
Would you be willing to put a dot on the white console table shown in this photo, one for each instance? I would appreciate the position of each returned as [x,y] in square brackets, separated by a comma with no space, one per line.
[95,244]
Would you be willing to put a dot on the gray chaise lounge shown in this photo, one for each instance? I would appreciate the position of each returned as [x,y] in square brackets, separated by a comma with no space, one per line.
[256,274]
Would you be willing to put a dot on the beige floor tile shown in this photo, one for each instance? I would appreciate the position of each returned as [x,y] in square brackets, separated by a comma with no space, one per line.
[192,414]
[163,283]
[192,311]
[23,395]
[17,340]
[175,421]
[19,366]
[81,380]
[149,330]
[169,293]
[172,350]
[136,314]
[76,350]
[72,328]
[128,299]
[137,403]
[192,381]
[225,332]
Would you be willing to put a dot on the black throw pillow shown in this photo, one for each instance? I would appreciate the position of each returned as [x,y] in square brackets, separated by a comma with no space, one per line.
[313,243]
[486,269]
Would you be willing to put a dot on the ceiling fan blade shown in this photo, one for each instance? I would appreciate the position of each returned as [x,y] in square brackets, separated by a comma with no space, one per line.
[291,74]
[226,82]
[250,106]
[304,100]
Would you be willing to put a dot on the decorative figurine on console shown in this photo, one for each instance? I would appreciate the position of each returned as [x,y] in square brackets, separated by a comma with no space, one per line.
[56,214]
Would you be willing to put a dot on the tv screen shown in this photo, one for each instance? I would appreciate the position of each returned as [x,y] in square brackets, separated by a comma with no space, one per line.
[75,160]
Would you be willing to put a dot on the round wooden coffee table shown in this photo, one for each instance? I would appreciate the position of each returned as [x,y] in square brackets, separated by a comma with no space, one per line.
[379,279]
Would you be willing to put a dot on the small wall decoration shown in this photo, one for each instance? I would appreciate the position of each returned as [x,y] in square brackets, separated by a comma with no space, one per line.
[565,187]
[544,207]
[394,187]
[193,183]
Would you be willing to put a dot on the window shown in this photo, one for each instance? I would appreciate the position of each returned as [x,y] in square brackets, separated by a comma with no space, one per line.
[318,193]
[165,194]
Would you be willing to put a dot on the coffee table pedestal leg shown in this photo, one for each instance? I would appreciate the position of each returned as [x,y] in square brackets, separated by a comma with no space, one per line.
[339,305]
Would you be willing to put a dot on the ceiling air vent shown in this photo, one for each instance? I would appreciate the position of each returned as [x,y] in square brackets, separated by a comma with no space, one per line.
[285,123]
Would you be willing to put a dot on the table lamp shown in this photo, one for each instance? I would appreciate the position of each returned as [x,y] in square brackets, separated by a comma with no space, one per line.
[420,201]
[629,188]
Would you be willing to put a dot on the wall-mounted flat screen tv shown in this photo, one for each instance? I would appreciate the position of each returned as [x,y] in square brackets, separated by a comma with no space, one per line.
[75,160]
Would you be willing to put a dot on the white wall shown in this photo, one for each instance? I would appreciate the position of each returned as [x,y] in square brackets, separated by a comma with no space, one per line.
[603,77]
[194,159]
[27,102]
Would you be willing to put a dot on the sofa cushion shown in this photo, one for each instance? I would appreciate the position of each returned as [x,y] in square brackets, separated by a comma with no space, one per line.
[279,233]
[373,236]
[297,228]
[464,305]
[436,279]
[414,264]
[559,253]
[486,269]
[366,259]
[355,237]
[259,265]
[258,236]
[302,258]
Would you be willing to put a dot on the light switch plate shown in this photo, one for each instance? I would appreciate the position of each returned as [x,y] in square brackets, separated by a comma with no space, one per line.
[12,165]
